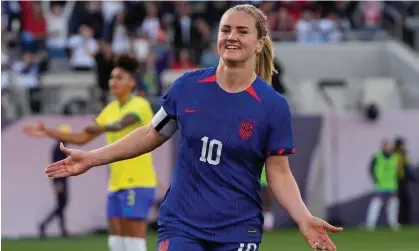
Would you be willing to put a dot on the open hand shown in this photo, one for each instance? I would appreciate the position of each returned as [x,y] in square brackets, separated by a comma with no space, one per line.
[37,131]
[76,163]
[315,231]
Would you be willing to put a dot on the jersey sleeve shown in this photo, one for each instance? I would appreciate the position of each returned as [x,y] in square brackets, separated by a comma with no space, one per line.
[280,138]
[165,120]
[169,100]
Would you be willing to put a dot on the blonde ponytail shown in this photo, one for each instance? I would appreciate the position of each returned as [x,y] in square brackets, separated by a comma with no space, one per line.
[265,61]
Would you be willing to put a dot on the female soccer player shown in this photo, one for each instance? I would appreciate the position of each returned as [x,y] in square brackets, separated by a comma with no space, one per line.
[230,123]
[132,182]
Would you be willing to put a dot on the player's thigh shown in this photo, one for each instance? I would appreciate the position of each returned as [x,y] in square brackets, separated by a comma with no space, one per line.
[180,243]
[236,247]
[114,213]
[115,226]
[134,228]
[136,204]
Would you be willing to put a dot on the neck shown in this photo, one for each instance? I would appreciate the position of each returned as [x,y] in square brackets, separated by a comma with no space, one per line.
[124,99]
[236,78]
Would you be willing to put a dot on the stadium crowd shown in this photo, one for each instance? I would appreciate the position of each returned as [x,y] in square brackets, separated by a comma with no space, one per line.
[57,36]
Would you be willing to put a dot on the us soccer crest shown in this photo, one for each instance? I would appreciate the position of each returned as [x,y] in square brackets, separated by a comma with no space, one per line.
[164,245]
[246,129]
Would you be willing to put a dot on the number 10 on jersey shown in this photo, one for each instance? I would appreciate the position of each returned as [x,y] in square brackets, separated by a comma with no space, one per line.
[207,152]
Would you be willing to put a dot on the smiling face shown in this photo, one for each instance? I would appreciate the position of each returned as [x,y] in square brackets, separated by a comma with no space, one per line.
[238,37]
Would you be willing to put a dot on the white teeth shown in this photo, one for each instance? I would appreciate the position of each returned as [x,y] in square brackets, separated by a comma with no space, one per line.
[232,47]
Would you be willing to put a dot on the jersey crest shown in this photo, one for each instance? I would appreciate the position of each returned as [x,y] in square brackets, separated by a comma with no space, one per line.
[246,129]
[164,245]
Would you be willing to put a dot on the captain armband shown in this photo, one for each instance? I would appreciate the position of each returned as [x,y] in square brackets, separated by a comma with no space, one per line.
[164,124]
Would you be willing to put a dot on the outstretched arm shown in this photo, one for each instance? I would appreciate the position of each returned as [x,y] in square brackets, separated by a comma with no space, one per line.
[143,140]
[285,188]
[77,138]
[89,133]
[286,191]
[127,120]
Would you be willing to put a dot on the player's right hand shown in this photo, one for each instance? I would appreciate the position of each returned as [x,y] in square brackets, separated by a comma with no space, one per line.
[75,164]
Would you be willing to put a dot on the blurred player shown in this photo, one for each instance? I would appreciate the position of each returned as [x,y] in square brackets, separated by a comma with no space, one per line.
[268,215]
[384,167]
[230,123]
[61,192]
[131,182]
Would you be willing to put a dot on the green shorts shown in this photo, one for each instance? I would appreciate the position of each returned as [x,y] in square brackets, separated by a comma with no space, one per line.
[263,180]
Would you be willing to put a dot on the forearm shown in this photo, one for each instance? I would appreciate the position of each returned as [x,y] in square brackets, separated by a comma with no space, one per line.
[286,191]
[114,127]
[138,142]
[127,120]
[72,138]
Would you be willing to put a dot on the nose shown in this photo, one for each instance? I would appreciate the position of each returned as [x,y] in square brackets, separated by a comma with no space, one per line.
[232,36]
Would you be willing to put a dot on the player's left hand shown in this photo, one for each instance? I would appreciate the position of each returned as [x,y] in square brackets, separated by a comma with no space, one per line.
[38,130]
[315,231]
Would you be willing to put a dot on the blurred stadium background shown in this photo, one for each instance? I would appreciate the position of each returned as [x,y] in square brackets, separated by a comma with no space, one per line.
[350,70]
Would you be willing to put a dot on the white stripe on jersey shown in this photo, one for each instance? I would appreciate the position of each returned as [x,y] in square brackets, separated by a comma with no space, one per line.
[164,124]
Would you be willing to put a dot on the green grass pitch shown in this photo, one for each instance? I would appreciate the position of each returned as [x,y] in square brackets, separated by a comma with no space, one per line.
[288,240]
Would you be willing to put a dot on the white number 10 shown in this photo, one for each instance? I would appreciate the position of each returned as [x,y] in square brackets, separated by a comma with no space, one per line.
[207,152]
[249,247]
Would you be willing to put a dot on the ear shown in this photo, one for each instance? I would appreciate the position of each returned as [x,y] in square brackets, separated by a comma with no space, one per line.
[260,44]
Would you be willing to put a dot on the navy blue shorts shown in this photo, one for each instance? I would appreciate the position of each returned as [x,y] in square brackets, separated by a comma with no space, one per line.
[181,243]
[134,203]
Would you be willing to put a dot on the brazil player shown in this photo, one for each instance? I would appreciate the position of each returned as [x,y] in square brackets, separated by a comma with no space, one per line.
[230,122]
[132,182]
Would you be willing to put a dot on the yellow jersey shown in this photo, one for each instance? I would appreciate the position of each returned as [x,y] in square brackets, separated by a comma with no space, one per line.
[135,172]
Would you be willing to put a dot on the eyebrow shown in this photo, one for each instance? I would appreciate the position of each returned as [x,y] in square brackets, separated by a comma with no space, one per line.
[238,27]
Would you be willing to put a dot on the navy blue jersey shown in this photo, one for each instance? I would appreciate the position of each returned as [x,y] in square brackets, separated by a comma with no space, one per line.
[224,139]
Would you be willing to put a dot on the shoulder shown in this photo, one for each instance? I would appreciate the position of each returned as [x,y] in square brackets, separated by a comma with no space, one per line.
[269,96]
[110,106]
[139,102]
[108,110]
[192,77]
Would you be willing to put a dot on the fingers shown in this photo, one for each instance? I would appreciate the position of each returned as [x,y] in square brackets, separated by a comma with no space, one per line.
[331,228]
[313,245]
[55,166]
[62,175]
[51,169]
[64,149]
[327,242]
[59,174]
[54,170]
[322,245]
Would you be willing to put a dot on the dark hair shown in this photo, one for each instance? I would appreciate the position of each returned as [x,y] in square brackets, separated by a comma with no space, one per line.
[398,142]
[128,63]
